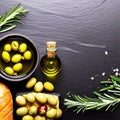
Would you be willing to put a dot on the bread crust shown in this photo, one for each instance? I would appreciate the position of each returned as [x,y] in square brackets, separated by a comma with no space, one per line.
[6,103]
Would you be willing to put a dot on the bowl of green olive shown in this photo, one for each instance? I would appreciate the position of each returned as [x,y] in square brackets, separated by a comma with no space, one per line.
[19,57]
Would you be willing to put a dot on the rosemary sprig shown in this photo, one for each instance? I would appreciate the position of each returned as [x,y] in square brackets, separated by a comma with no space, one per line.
[7,19]
[109,100]
[86,103]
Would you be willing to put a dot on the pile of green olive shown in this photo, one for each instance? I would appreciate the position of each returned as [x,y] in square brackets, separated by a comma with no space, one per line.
[39,86]
[38,106]
[13,54]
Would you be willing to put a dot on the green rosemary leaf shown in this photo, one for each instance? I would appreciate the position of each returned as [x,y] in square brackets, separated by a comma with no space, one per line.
[108,107]
[114,91]
[116,85]
[79,108]
[118,94]
[117,88]
[115,106]
[106,88]
[7,27]
[13,9]
[106,82]
[77,98]
[91,99]
[96,93]
[115,78]
[101,105]
[15,20]
[109,97]
[2,18]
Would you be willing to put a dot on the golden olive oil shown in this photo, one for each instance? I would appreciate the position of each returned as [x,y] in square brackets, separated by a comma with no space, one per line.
[50,63]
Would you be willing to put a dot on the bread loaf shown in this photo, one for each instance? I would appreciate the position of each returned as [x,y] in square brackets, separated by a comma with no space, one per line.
[6,103]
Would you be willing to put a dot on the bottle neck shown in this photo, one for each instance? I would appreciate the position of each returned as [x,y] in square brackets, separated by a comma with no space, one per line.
[51,53]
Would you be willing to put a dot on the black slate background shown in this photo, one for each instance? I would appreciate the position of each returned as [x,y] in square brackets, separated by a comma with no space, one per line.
[83,30]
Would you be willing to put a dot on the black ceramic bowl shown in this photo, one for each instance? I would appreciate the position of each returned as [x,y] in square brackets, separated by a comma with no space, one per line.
[29,66]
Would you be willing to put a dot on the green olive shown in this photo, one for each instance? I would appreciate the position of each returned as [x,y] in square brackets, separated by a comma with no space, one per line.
[38,117]
[30,98]
[59,113]
[17,67]
[27,117]
[7,47]
[41,98]
[52,100]
[22,111]
[33,110]
[20,100]
[38,87]
[23,47]
[51,113]
[15,45]
[6,56]
[27,55]
[9,71]
[49,86]
[31,82]
[16,58]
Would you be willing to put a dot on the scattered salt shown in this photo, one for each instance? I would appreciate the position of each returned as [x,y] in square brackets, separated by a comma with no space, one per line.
[114,70]
[116,73]
[117,70]
[106,52]
[92,78]
[103,74]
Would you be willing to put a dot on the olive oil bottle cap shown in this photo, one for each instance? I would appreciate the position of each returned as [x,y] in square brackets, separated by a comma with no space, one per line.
[51,45]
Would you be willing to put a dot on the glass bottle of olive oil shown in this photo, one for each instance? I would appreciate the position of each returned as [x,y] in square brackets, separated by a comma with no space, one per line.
[50,63]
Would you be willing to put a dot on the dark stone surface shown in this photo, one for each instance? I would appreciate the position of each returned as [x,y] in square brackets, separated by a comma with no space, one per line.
[83,30]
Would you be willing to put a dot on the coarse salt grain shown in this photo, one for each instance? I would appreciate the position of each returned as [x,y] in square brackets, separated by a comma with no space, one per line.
[103,74]
[116,73]
[114,70]
[92,78]
[117,70]
[106,52]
